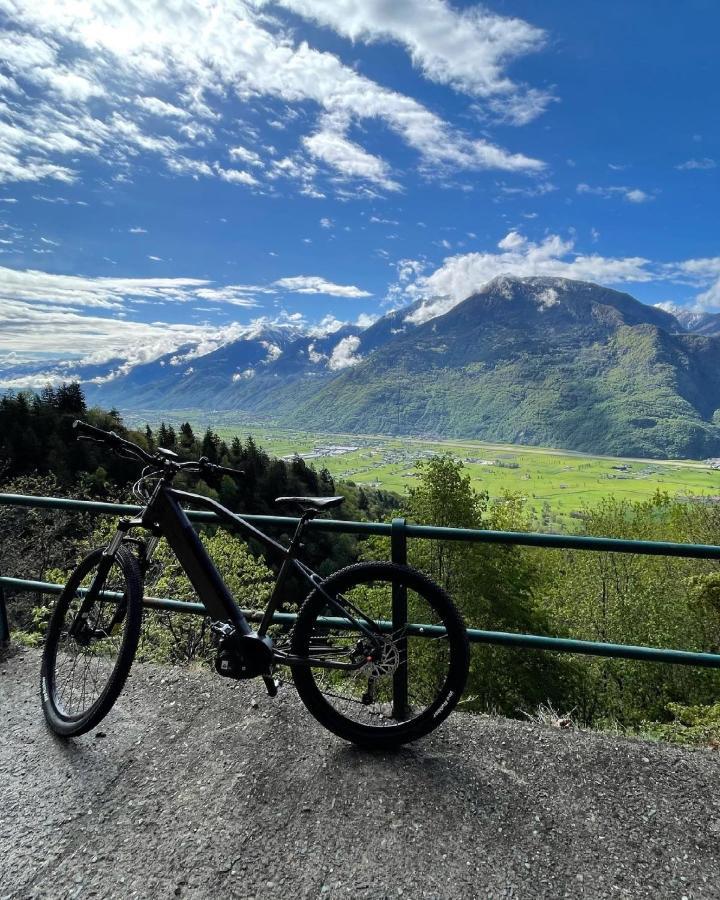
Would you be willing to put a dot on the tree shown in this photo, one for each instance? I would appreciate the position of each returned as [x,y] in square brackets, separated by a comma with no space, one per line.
[211,445]
[187,436]
[69,398]
[492,585]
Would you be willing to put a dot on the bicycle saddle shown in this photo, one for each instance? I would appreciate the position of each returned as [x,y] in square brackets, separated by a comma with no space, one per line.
[318,503]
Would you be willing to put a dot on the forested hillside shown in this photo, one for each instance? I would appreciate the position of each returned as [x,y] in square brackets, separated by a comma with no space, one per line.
[39,454]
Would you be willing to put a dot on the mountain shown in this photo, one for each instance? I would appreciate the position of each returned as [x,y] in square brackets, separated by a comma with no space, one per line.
[545,361]
[699,322]
[185,378]
[260,373]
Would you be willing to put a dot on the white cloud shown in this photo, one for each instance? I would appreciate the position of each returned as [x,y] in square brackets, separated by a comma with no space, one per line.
[468,50]
[62,200]
[314,355]
[70,85]
[512,241]
[704,163]
[349,158]
[194,54]
[519,109]
[326,222]
[73,293]
[250,157]
[633,195]
[343,355]
[160,108]
[313,284]
[68,319]
[236,176]
[39,331]
[463,275]
[460,276]
[703,273]
[273,351]
[137,230]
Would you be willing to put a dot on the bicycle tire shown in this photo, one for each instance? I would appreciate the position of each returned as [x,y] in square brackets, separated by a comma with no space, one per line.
[62,721]
[316,700]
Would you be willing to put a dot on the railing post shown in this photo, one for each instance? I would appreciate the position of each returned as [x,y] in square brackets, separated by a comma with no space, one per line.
[4,621]
[398,554]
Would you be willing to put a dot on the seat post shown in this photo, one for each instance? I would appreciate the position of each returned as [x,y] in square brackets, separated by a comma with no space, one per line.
[306,516]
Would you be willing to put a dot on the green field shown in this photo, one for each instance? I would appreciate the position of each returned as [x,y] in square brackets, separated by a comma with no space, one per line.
[564,480]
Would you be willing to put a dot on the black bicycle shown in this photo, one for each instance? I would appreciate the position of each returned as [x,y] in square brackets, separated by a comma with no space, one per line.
[378,652]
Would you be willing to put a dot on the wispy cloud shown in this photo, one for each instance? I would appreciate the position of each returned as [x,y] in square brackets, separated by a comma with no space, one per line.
[704,163]
[467,50]
[312,284]
[632,195]
[194,55]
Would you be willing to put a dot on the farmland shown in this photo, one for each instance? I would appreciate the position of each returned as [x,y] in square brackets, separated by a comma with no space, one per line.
[554,482]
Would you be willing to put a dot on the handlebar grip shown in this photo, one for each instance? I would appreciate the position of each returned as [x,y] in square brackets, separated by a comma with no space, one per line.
[87,430]
[232,472]
[90,430]
[206,465]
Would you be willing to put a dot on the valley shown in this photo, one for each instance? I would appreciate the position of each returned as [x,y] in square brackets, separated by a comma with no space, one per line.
[556,484]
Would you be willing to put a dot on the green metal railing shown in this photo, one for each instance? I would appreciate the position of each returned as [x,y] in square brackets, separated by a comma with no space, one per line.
[399,532]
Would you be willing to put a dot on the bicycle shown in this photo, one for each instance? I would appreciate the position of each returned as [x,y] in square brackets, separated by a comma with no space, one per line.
[378,652]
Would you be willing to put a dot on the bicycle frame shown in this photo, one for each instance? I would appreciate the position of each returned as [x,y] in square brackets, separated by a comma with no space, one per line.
[164,516]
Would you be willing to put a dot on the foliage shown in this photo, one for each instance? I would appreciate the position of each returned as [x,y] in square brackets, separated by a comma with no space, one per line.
[40,456]
[691,725]
[620,598]
[637,599]
[492,585]
[179,638]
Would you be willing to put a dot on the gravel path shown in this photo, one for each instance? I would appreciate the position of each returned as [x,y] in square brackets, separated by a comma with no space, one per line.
[196,786]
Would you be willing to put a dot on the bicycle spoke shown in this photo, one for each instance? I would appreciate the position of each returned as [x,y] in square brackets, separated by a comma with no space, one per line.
[365,695]
[86,659]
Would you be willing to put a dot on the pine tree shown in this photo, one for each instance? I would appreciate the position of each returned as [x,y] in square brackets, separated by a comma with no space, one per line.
[187,436]
[211,445]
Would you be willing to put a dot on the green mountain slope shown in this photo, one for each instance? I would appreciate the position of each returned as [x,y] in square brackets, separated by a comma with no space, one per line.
[537,361]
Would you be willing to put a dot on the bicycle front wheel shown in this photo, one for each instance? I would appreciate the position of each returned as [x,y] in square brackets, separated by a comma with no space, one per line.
[369,682]
[91,642]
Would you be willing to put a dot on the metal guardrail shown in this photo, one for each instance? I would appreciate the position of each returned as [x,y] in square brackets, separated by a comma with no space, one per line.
[399,531]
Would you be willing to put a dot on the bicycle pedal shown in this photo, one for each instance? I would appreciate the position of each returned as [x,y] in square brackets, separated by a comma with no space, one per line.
[272,685]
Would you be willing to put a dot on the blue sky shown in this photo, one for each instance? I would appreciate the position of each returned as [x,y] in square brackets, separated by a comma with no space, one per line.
[174,178]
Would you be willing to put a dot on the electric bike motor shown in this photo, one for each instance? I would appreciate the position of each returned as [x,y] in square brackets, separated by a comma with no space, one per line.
[243,655]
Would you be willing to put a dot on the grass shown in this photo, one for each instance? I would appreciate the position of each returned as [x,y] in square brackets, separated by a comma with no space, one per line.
[560,482]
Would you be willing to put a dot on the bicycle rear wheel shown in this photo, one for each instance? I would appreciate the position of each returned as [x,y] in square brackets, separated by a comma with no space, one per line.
[91,642]
[366,703]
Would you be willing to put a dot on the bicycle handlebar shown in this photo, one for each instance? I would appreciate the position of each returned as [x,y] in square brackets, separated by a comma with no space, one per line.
[115,442]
